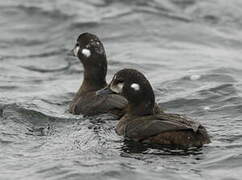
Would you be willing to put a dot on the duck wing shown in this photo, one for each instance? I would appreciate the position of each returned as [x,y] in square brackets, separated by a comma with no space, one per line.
[114,101]
[148,126]
[91,104]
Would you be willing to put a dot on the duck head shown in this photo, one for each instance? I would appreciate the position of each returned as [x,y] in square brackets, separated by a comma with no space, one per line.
[90,51]
[134,86]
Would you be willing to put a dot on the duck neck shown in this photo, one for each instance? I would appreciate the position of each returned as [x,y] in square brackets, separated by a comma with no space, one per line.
[143,108]
[94,79]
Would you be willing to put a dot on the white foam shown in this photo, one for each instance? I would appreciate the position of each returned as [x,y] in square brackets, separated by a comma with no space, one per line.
[206,108]
[195,77]
[86,52]
[135,86]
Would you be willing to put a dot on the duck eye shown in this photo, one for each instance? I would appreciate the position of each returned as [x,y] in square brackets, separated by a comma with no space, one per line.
[77,44]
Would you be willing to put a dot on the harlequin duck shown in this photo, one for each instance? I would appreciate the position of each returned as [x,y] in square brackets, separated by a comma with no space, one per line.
[140,123]
[90,50]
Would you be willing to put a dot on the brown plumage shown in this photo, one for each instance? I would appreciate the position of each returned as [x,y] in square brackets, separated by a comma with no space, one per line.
[90,51]
[163,128]
[141,123]
[90,104]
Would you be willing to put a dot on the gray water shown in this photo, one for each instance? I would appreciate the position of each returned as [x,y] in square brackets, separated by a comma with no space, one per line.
[190,50]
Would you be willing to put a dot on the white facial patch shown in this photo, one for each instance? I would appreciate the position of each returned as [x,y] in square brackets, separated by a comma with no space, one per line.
[135,86]
[76,50]
[117,88]
[86,52]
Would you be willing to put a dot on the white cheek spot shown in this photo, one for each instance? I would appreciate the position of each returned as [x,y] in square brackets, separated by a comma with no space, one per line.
[135,86]
[86,52]
[76,50]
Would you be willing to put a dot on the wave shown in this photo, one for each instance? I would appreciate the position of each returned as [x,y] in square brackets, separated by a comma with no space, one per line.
[39,55]
[38,10]
[36,69]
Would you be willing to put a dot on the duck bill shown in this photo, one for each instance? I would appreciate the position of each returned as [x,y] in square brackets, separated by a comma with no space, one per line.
[104,91]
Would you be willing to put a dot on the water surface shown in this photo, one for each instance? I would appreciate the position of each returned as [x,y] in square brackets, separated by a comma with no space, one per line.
[190,50]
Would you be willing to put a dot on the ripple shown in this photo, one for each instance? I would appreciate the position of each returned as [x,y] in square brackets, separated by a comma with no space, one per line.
[132,147]
[30,115]
[22,42]
[40,55]
[88,24]
[219,91]
[170,15]
[5,142]
[33,68]
[32,10]
[8,87]
[211,77]
[189,50]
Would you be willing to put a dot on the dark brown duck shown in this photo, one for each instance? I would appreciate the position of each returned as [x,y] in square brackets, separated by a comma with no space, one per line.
[90,51]
[140,123]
